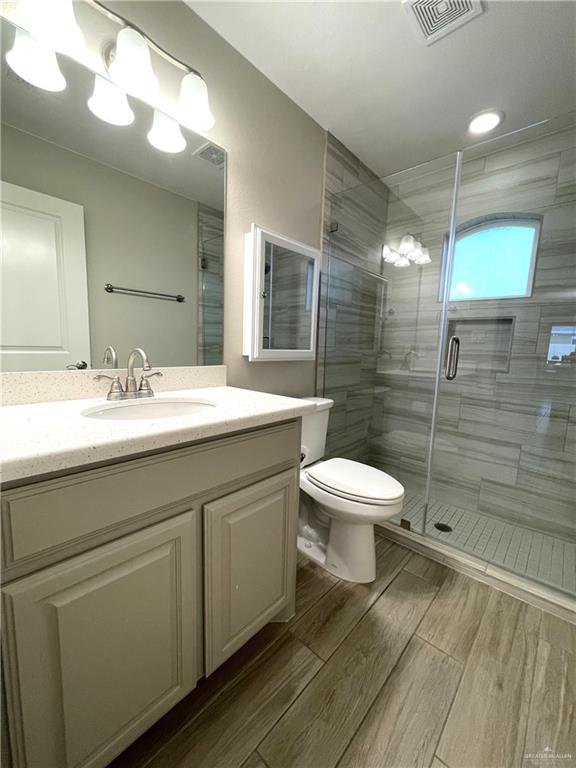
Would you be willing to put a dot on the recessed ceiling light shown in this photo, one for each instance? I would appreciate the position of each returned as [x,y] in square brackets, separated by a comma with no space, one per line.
[485,121]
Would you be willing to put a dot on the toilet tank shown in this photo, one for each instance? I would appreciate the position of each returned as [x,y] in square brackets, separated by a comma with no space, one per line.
[314,428]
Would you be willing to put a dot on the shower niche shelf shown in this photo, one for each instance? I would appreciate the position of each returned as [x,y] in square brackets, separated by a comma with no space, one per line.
[485,342]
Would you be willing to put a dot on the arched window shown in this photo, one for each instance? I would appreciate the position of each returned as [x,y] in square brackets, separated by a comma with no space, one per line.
[494,257]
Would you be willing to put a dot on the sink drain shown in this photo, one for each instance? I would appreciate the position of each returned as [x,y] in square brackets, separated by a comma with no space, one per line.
[443,527]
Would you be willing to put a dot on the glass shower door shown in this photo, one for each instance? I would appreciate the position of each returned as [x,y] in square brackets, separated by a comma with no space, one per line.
[502,482]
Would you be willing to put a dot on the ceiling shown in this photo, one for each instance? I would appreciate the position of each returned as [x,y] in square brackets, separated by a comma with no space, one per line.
[363,72]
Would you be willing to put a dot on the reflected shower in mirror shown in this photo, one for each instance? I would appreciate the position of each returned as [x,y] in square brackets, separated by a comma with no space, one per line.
[87,203]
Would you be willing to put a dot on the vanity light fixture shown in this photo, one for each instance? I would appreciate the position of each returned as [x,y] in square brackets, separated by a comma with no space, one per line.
[165,134]
[109,103]
[403,261]
[52,24]
[409,251]
[389,256]
[406,245]
[485,121]
[35,62]
[130,65]
[424,257]
[193,106]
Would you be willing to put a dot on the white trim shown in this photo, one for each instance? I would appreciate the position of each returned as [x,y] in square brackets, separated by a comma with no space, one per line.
[538,595]
[254,264]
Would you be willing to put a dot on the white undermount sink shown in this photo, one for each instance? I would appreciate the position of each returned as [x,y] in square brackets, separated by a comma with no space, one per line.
[164,408]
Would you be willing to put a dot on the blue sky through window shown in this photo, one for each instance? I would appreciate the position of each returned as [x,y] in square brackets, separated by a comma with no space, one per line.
[493,261]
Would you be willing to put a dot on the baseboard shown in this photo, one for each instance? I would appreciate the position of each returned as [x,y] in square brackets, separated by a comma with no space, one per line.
[553,601]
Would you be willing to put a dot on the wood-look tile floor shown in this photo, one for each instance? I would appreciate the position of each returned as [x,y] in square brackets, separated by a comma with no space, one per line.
[423,667]
[548,559]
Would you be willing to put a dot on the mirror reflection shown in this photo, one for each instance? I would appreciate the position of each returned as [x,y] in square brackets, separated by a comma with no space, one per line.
[113,235]
[288,298]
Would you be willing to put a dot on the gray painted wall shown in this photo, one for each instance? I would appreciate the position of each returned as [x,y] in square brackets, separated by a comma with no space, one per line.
[137,235]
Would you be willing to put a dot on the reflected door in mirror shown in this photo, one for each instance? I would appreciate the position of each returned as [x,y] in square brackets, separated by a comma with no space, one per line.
[43,275]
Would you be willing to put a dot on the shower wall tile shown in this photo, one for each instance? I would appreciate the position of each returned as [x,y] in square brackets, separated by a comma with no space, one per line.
[355,203]
[506,441]
[525,507]
[210,285]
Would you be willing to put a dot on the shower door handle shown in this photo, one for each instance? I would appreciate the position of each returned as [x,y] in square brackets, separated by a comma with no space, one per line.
[452,358]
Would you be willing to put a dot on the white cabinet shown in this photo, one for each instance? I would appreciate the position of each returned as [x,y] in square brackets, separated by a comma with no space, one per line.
[98,647]
[250,562]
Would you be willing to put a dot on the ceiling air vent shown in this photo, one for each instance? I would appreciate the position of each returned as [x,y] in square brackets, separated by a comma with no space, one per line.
[212,154]
[437,18]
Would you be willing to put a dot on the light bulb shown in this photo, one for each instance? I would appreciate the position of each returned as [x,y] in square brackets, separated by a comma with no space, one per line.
[35,63]
[403,261]
[416,252]
[131,67]
[484,122]
[389,255]
[424,257]
[193,106]
[53,24]
[109,103]
[165,134]
[406,245]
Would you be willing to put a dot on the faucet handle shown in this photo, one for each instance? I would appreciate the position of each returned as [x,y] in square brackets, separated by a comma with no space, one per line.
[116,392]
[145,389]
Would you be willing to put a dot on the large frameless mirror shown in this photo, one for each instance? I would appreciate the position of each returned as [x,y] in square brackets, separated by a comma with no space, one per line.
[113,227]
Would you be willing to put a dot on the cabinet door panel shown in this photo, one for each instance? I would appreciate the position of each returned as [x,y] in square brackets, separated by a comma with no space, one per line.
[100,646]
[250,550]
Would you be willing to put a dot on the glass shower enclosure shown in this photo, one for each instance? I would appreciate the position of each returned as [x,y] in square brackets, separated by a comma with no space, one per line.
[449,335]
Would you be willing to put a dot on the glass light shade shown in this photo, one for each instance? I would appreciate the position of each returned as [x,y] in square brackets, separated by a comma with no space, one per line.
[109,103]
[131,67]
[52,23]
[406,245]
[415,253]
[403,261]
[193,106]
[389,255]
[424,257]
[165,134]
[485,122]
[35,63]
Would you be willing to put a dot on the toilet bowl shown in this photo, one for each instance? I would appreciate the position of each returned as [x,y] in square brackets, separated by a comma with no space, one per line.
[341,501]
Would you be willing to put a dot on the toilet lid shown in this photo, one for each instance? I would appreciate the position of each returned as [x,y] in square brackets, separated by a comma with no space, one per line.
[355,481]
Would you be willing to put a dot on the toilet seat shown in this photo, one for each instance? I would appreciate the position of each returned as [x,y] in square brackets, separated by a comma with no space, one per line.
[355,481]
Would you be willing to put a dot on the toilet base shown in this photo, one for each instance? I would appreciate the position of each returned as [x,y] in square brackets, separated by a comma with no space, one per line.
[350,553]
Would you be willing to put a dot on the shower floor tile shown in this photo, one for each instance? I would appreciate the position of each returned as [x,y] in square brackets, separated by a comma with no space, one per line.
[547,559]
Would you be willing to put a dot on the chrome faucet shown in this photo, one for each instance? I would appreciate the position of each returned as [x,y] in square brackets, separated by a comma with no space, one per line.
[131,390]
[110,359]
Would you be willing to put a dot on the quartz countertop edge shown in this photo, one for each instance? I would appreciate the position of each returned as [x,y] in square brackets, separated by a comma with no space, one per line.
[41,439]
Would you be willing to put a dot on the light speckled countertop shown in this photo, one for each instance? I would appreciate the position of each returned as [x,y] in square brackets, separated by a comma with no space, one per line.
[43,438]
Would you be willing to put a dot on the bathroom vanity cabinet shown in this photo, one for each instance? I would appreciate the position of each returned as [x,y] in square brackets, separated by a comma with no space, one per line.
[126,583]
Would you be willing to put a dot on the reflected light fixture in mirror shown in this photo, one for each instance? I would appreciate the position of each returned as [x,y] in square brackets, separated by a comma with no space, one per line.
[109,103]
[130,65]
[165,134]
[193,106]
[35,62]
[407,244]
[389,256]
[53,23]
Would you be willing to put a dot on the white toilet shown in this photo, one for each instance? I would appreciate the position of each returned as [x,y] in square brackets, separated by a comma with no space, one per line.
[340,501]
